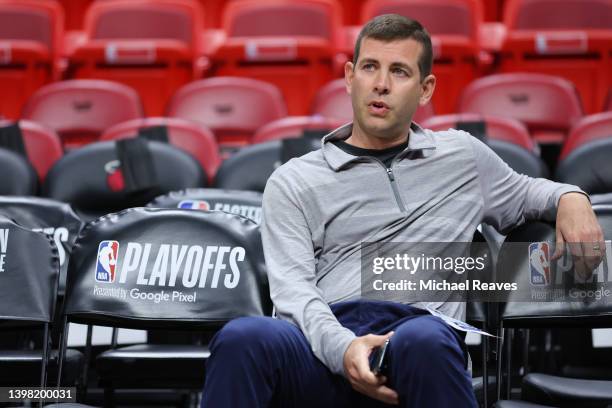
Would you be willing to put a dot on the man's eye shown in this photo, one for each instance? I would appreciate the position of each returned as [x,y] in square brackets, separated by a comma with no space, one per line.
[400,72]
[368,67]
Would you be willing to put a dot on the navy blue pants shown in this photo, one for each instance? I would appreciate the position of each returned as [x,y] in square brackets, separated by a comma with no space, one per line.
[263,362]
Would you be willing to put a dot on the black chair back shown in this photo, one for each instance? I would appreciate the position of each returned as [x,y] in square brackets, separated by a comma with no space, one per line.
[245,203]
[18,175]
[110,176]
[160,268]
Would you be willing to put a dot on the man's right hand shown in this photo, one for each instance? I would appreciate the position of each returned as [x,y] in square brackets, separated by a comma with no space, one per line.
[357,369]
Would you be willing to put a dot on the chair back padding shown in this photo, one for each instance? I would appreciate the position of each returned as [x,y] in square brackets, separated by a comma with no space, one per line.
[519,159]
[18,175]
[29,270]
[589,167]
[565,313]
[94,181]
[245,203]
[250,168]
[50,217]
[148,267]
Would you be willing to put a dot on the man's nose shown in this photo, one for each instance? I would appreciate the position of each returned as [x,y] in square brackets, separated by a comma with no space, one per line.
[382,84]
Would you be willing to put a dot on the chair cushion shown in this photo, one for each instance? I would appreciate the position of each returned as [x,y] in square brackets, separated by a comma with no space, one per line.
[153,365]
[553,390]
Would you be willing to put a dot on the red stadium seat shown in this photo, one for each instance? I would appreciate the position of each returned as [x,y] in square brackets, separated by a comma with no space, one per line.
[75,11]
[42,145]
[499,128]
[455,45]
[150,45]
[288,43]
[30,46]
[549,106]
[568,38]
[593,127]
[294,126]
[233,108]
[332,101]
[189,136]
[80,110]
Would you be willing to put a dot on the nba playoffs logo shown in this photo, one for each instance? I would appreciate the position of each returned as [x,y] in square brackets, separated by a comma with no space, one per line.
[107,261]
[539,263]
[194,205]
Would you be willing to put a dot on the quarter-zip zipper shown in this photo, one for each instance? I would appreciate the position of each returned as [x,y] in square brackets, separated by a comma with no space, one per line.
[396,193]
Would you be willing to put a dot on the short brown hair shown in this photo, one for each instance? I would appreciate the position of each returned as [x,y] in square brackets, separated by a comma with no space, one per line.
[389,27]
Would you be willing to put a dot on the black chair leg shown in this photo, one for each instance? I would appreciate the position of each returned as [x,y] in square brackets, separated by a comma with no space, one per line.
[499,361]
[509,335]
[109,396]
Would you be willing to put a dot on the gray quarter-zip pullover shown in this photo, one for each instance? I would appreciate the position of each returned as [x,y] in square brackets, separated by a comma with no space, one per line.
[319,208]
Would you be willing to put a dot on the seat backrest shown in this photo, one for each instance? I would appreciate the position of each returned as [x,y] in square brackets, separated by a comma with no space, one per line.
[589,128]
[229,104]
[539,101]
[33,20]
[42,145]
[18,175]
[245,203]
[558,14]
[332,101]
[83,107]
[274,18]
[434,15]
[521,160]
[29,271]
[250,168]
[50,217]
[178,20]
[294,126]
[589,167]
[516,261]
[192,137]
[207,271]
[496,127]
[108,176]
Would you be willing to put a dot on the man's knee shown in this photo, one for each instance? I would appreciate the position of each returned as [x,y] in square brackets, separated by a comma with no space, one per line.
[427,337]
[248,333]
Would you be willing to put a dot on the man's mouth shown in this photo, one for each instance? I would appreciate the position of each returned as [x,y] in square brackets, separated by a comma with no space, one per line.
[378,108]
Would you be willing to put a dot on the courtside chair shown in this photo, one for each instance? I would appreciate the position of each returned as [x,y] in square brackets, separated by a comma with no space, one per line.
[549,389]
[119,275]
[28,289]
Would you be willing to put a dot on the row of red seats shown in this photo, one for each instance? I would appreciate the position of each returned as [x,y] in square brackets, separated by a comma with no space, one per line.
[43,147]
[235,108]
[75,11]
[156,46]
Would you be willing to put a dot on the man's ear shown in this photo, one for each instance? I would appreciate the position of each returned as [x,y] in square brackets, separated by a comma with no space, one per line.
[348,75]
[427,89]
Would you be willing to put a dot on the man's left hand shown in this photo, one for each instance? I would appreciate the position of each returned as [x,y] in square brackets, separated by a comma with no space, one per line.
[577,226]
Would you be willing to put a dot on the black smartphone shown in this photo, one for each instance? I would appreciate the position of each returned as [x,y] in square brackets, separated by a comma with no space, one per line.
[377,358]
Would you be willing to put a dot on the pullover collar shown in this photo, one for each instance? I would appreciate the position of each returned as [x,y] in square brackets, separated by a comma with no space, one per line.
[418,140]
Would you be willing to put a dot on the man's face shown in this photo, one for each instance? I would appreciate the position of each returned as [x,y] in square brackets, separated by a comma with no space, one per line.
[386,88]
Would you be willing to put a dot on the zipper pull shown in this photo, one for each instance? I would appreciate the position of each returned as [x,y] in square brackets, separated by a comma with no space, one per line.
[390,174]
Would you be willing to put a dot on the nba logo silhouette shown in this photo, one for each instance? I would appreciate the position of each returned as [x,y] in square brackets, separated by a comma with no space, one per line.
[194,205]
[107,261]
[539,263]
